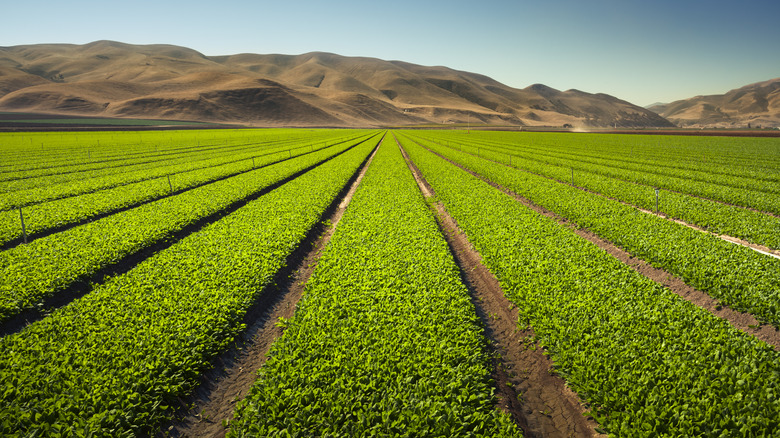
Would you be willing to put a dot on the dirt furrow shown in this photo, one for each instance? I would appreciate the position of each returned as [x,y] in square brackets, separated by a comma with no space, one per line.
[526,386]
[206,412]
[740,320]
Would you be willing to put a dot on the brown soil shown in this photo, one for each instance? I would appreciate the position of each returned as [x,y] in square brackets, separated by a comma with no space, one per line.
[230,381]
[740,320]
[538,400]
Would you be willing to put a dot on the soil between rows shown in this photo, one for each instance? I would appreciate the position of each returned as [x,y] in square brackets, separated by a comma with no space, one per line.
[537,399]
[235,371]
[740,320]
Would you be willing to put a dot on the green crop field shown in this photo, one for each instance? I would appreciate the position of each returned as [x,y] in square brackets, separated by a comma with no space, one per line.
[133,264]
[25,119]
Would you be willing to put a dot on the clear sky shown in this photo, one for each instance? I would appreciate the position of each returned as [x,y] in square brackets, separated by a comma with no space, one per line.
[641,51]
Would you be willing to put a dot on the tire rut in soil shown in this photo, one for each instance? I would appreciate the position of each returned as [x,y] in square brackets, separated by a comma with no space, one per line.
[527,388]
[82,286]
[234,372]
[740,320]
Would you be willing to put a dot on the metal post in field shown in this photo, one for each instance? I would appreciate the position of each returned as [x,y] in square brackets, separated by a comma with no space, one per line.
[24,231]
[253,162]
[169,183]
[572,176]
[656,200]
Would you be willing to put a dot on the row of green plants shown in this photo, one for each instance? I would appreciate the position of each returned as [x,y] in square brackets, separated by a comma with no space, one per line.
[32,154]
[58,213]
[743,157]
[656,167]
[385,341]
[735,275]
[648,362]
[761,195]
[751,193]
[136,155]
[70,174]
[31,272]
[115,362]
[221,164]
[749,225]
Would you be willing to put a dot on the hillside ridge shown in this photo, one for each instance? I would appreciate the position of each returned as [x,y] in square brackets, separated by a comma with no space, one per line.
[753,105]
[113,79]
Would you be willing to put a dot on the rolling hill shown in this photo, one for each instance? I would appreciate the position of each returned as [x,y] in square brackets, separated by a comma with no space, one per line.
[755,104]
[113,79]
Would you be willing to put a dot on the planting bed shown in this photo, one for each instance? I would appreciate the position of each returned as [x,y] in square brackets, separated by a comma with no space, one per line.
[419,283]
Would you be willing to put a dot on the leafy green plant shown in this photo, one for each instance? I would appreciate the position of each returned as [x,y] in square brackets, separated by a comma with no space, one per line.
[648,362]
[737,276]
[32,272]
[633,182]
[114,362]
[63,198]
[385,341]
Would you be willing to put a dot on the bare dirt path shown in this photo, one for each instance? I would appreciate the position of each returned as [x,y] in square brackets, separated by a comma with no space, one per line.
[756,247]
[235,371]
[740,320]
[538,400]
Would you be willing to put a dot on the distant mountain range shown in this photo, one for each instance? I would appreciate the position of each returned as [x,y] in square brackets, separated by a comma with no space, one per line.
[113,79]
[755,105]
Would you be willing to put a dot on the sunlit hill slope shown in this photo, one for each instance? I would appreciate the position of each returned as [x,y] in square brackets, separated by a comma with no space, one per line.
[113,79]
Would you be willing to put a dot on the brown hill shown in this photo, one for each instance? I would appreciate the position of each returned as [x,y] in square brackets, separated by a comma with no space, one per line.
[755,104]
[107,78]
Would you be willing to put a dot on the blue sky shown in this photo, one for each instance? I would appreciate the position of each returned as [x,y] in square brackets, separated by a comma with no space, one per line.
[640,51]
